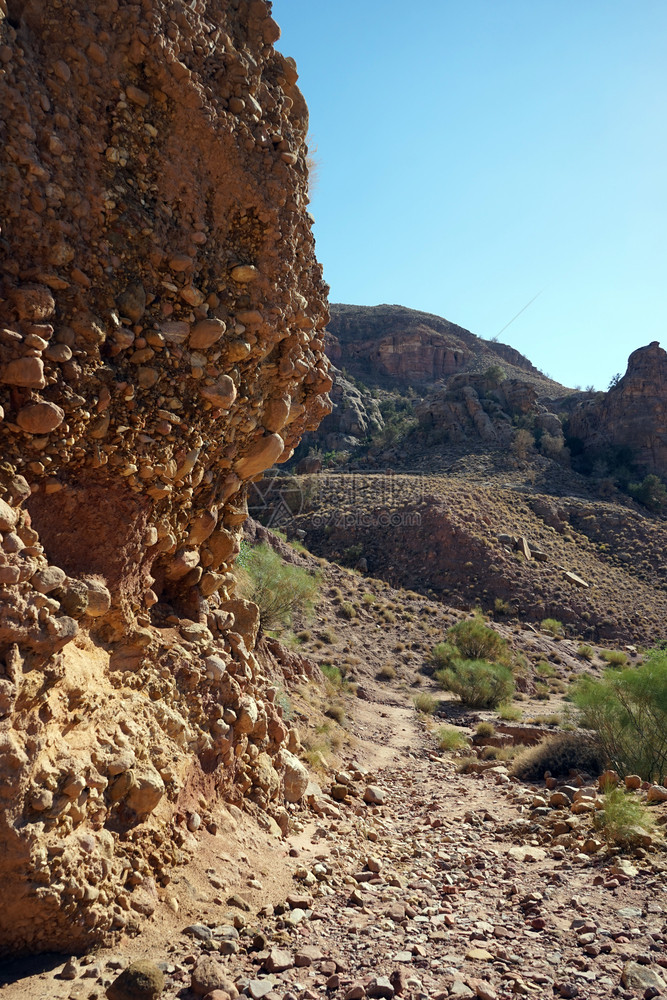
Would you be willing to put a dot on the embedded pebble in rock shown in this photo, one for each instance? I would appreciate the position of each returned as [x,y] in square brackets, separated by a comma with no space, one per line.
[40,418]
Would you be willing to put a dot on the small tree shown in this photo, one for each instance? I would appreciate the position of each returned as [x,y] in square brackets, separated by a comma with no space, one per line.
[651,492]
[628,711]
[523,443]
[279,590]
[477,683]
[476,641]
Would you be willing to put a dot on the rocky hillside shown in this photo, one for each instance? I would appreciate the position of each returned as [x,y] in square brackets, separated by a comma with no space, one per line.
[515,549]
[161,343]
[392,346]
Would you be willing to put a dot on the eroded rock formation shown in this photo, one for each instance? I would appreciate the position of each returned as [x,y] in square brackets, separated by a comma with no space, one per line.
[633,414]
[161,317]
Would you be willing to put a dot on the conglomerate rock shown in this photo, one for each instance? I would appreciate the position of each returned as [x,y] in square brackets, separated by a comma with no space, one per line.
[161,317]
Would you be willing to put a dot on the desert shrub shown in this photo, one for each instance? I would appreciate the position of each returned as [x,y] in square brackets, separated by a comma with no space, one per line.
[509,712]
[552,626]
[346,610]
[541,691]
[585,651]
[279,590]
[450,738]
[332,674]
[327,635]
[425,702]
[624,819]
[478,683]
[545,669]
[368,599]
[485,729]
[559,754]
[283,700]
[523,443]
[614,657]
[501,607]
[553,446]
[476,641]
[335,710]
[443,654]
[386,673]
[628,711]
[651,492]
[544,720]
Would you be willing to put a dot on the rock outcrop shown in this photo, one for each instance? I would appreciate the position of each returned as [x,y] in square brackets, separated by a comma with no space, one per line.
[161,344]
[632,414]
[478,406]
[355,417]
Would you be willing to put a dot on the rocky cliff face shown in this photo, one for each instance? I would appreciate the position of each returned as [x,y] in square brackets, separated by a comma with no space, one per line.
[633,414]
[161,317]
[393,346]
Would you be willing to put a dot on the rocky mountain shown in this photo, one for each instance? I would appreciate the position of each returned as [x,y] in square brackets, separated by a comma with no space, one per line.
[392,346]
[161,344]
[388,357]
[414,389]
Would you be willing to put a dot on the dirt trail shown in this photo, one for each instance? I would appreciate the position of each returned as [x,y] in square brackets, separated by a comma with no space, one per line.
[446,888]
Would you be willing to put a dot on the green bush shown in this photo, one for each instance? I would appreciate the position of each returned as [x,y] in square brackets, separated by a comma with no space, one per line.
[552,626]
[650,493]
[627,709]
[425,702]
[476,641]
[509,712]
[279,590]
[450,738]
[332,674]
[485,729]
[443,654]
[623,820]
[585,651]
[478,683]
[614,657]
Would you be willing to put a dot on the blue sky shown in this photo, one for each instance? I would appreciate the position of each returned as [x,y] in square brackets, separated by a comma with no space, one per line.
[474,154]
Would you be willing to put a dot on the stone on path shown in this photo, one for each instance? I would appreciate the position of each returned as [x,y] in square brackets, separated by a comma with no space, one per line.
[208,975]
[638,978]
[374,795]
[140,981]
